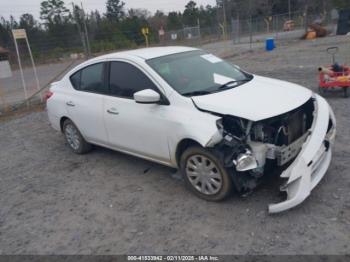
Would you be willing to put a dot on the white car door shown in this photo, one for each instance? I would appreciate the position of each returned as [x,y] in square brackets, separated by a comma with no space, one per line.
[137,128]
[85,103]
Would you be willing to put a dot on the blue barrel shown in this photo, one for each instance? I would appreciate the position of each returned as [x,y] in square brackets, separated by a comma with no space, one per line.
[270,44]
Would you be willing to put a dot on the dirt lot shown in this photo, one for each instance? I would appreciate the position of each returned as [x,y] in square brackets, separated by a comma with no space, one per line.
[55,202]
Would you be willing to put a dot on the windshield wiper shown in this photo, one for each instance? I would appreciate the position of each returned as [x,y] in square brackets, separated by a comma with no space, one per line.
[230,83]
[222,87]
[197,93]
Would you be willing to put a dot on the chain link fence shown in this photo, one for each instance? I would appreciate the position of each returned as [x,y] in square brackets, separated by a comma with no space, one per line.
[280,27]
[57,54]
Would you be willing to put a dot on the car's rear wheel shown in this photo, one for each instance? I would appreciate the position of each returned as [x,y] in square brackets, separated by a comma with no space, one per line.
[74,138]
[204,174]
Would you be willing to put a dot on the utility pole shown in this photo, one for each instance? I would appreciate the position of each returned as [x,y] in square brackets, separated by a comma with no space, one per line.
[225,22]
[79,30]
[86,31]
[289,10]
[199,30]
[306,15]
[250,25]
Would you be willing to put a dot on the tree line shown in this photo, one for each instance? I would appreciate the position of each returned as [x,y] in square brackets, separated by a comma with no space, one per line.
[62,27]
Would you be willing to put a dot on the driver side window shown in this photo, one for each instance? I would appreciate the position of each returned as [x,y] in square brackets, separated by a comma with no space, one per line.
[125,80]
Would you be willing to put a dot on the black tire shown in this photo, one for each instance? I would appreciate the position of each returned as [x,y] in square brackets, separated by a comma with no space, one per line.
[226,182]
[82,147]
[345,89]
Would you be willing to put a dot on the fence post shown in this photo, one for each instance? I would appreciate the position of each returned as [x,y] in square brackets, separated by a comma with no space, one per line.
[199,32]
[238,29]
[86,31]
[250,33]
[276,26]
[21,71]
[34,70]
[233,26]
[79,31]
[306,18]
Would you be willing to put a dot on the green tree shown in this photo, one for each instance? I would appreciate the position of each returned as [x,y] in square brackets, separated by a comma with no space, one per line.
[5,32]
[109,37]
[61,32]
[158,20]
[53,11]
[207,16]
[27,22]
[139,12]
[131,26]
[32,27]
[94,22]
[174,21]
[115,10]
[190,15]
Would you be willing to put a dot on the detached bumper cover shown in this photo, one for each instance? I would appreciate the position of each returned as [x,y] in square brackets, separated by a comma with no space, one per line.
[313,160]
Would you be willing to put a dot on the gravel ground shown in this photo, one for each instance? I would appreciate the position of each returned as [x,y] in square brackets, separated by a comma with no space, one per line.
[105,202]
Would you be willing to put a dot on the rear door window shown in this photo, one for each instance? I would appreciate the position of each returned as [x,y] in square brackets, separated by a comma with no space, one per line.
[90,79]
[75,80]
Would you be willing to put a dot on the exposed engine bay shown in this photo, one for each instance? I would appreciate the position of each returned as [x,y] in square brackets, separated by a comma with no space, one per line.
[254,148]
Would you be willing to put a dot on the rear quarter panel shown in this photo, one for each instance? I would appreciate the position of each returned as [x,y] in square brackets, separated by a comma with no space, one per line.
[56,107]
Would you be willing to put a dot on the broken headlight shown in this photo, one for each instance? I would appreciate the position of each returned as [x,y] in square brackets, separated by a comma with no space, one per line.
[245,162]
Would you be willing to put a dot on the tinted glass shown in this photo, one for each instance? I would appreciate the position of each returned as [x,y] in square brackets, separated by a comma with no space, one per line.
[92,79]
[75,80]
[196,71]
[125,79]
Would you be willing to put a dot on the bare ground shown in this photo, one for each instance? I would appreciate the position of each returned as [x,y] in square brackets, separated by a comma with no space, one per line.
[55,202]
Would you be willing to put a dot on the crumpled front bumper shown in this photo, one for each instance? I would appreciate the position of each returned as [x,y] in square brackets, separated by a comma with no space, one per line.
[313,160]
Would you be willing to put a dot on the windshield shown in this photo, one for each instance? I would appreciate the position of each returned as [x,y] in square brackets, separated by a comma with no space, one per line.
[198,73]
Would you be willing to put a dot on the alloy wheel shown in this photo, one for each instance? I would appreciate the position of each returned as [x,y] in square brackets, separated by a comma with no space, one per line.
[72,136]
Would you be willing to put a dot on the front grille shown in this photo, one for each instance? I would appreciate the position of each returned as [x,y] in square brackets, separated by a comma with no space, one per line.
[296,126]
[286,128]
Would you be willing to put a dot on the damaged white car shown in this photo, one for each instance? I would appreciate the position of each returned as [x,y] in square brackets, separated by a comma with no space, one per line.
[182,107]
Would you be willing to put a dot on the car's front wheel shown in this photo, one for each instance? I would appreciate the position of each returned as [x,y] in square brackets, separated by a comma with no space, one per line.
[74,138]
[204,174]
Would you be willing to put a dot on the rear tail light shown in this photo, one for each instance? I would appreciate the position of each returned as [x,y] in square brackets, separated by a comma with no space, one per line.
[48,95]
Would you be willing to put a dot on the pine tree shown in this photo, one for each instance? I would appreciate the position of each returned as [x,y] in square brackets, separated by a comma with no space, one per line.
[115,10]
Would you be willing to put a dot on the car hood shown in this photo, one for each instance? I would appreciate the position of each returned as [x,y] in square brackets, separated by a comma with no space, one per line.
[256,100]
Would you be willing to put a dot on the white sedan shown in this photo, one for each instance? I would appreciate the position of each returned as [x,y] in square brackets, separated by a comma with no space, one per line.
[183,107]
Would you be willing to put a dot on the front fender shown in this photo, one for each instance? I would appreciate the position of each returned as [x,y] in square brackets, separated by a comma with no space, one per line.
[201,128]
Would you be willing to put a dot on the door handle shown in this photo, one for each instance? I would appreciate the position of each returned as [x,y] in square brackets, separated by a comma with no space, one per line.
[112,111]
[70,103]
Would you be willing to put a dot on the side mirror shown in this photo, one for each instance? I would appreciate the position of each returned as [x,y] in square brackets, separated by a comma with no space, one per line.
[147,96]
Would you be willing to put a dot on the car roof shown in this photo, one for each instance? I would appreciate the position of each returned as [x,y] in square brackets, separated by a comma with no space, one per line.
[148,53]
